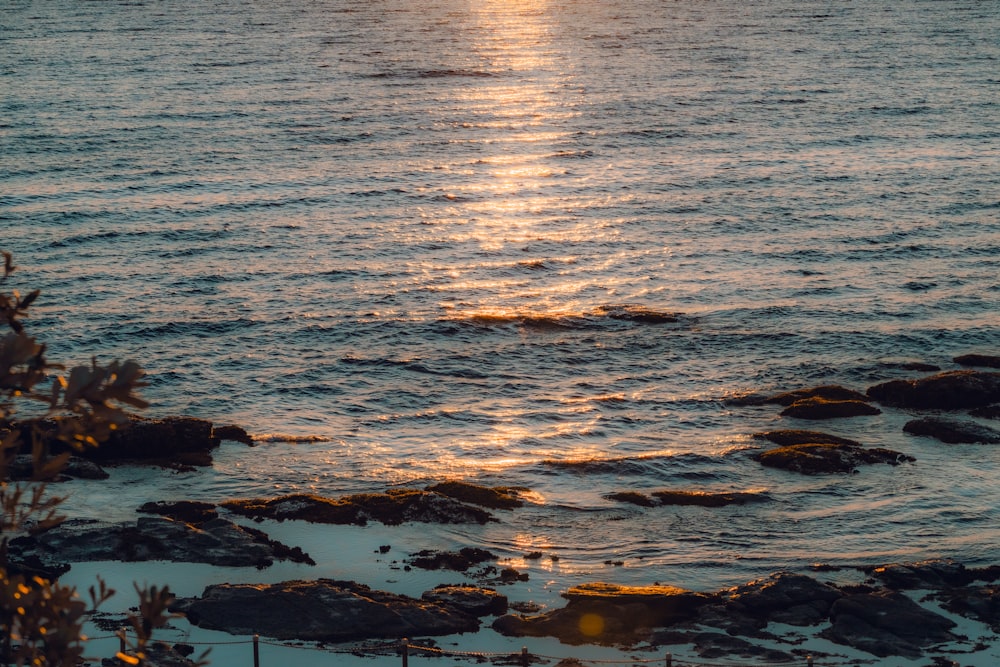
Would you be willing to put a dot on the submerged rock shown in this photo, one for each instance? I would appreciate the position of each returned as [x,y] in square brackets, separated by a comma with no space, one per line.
[984,360]
[459,561]
[391,508]
[636,313]
[496,497]
[953,431]
[214,542]
[699,498]
[788,437]
[322,610]
[822,408]
[828,392]
[954,390]
[819,458]
[472,600]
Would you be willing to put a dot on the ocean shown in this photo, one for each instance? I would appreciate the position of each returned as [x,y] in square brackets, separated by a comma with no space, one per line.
[527,243]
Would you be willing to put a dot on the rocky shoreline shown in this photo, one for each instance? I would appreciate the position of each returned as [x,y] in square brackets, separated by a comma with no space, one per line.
[888,611]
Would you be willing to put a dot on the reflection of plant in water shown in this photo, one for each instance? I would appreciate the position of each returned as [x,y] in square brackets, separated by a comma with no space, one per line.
[41,621]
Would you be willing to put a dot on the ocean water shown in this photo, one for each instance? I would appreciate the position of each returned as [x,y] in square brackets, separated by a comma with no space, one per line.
[402,242]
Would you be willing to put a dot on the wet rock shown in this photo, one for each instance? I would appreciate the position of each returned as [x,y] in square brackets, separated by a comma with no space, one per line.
[986,412]
[233,433]
[391,508]
[928,574]
[980,603]
[953,431]
[22,468]
[699,498]
[633,497]
[184,439]
[636,313]
[710,645]
[320,610]
[214,542]
[608,614]
[954,390]
[886,623]
[788,437]
[821,408]
[984,360]
[472,600]
[189,511]
[783,597]
[459,561]
[829,392]
[821,458]
[497,497]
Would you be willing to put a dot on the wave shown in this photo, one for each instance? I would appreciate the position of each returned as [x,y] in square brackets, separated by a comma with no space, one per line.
[285,437]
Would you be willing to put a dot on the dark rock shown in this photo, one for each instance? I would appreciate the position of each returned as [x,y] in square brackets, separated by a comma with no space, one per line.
[391,508]
[980,603]
[633,497]
[886,623]
[699,498]
[214,542]
[636,313]
[710,645]
[22,468]
[928,574]
[510,575]
[608,614]
[954,390]
[709,499]
[233,433]
[459,561]
[783,597]
[167,438]
[986,412]
[471,600]
[788,437]
[829,392]
[321,610]
[984,360]
[189,511]
[953,431]
[918,366]
[159,654]
[821,408]
[819,458]
[497,497]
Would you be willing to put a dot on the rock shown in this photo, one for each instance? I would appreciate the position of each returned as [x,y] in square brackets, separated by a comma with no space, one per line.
[819,458]
[928,574]
[233,433]
[183,439]
[799,437]
[472,600]
[953,431]
[822,408]
[461,561]
[608,614]
[783,597]
[497,497]
[22,468]
[189,511]
[320,610]
[829,392]
[979,603]
[159,654]
[214,542]
[985,360]
[954,390]
[633,497]
[391,508]
[886,623]
[699,498]
[986,412]
[636,313]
